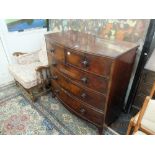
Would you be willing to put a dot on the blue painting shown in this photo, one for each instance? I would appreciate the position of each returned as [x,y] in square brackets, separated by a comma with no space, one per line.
[24,24]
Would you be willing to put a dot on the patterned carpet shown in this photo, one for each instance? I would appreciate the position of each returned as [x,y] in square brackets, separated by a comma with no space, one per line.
[45,117]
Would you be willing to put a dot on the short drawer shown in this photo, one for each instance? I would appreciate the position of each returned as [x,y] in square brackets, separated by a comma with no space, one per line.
[96,100]
[91,63]
[56,51]
[78,107]
[86,79]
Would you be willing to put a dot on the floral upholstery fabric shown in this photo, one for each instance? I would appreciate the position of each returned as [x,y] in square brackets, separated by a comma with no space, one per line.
[43,54]
[28,58]
[25,70]
[26,75]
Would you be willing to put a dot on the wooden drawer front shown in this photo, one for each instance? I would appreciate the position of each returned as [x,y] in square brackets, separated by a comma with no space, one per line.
[77,107]
[94,99]
[49,45]
[56,51]
[91,81]
[94,64]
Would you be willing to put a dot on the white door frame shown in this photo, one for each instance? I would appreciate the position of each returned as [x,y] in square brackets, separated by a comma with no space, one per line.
[3,34]
[5,77]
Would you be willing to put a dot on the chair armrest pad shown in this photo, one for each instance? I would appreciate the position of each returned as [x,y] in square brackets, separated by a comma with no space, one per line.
[18,54]
[39,68]
[27,58]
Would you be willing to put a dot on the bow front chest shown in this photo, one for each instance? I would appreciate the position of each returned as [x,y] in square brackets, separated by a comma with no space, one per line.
[90,75]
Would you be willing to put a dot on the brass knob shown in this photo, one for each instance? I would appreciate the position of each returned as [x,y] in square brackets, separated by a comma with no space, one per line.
[54,63]
[57,91]
[82,110]
[83,95]
[54,77]
[84,80]
[85,63]
[52,50]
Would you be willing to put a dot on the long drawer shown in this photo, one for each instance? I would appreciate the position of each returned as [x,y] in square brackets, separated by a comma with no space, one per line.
[96,100]
[91,81]
[78,107]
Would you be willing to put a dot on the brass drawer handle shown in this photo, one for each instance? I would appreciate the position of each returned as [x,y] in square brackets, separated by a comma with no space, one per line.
[57,91]
[54,63]
[82,111]
[84,80]
[83,95]
[54,77]
[85,63]
[52,50]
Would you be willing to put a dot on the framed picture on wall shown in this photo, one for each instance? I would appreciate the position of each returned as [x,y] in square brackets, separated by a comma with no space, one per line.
[25,24]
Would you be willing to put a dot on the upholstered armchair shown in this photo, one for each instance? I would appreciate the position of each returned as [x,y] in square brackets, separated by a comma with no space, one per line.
[144,120]
[31,72]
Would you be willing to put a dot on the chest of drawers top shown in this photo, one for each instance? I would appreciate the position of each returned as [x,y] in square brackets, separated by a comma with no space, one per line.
[91,44]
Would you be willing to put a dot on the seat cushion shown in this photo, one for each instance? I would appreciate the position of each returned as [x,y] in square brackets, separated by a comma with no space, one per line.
[27,58]
[139,133]
[148,120]
[25,74]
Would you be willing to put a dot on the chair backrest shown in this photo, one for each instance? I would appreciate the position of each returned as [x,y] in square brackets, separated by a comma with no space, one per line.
[43,54]
[144,107]
[152,90]
[141,113]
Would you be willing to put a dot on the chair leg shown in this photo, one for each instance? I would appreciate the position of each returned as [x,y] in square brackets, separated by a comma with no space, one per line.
[141,114]
[32,96]
[130,125]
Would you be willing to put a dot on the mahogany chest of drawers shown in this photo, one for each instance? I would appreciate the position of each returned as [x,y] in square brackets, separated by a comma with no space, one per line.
[90,75]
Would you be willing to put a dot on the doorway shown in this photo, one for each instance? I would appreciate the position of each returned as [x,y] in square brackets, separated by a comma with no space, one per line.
[5,77]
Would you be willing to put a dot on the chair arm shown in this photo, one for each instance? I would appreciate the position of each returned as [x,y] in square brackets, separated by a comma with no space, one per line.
[42,72]
[152,93]
[26,58]
[141,113]
[18,54]
[40,68]
[43,75]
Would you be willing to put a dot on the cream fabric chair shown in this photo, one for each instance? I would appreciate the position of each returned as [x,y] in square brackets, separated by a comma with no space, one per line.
[145,118]
[31,70]
[139,133]
[148,119]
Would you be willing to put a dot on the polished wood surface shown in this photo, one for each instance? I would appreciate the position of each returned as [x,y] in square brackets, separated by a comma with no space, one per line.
[86,79]
[90,44]
[90,75]
[120,77]
[95,99]
[77,106]
[57,51]
[89,62]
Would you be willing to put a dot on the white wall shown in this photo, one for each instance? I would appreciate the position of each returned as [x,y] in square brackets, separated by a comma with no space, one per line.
[26,41]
